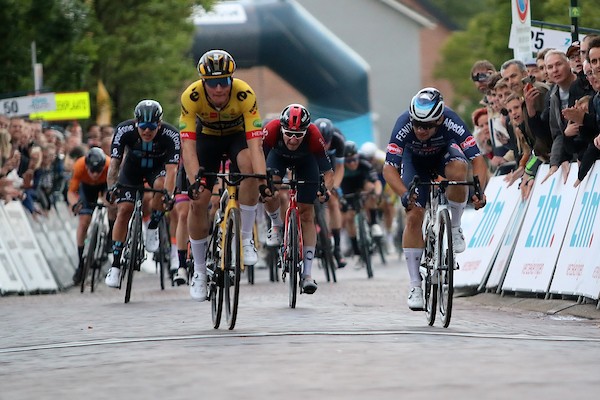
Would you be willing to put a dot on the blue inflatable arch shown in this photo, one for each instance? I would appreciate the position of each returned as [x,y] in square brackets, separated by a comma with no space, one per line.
[330,75]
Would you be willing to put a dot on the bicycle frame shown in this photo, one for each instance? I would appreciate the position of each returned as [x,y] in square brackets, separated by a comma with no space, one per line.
[293,205]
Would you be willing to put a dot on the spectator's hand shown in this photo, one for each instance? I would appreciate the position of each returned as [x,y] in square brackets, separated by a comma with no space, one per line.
[597,142]
[572,129]
[577,183]
[566,168]
[551,172]
[526,186]
[574,114]
[512,176]
[496,161]
[531,96]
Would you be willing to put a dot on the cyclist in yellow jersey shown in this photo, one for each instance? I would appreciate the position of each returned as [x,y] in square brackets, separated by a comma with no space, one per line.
[219,115]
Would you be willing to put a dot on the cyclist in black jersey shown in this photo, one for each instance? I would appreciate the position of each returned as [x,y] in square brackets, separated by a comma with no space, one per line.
[151,149]
[359,176]
[334,144]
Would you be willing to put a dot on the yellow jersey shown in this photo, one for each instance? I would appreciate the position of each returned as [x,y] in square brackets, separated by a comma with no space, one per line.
[239,115]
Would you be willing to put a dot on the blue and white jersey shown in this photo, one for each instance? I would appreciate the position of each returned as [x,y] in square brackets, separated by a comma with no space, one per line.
[453,129]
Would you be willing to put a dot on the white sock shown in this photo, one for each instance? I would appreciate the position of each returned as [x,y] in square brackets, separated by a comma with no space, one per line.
[309,253]
[248,214]
[456,212]
[199,252]
[276,218]
[413,262]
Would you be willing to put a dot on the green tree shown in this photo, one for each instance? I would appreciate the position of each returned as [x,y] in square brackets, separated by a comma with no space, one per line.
[138,48]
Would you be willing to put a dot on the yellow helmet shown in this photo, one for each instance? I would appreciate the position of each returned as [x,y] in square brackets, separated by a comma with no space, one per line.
[216,64]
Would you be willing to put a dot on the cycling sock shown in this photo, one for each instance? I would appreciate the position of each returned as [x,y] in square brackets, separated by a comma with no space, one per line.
[182,254]
[155,219]
[336,237]
[111,224]
[248,218]
[117,250]
[456,212]
[276,218]
[372,216]
[80,254]
[413,262]
[199,252]
[309,253]
[355,245]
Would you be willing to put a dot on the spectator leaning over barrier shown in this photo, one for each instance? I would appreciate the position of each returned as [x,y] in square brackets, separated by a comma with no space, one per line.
[520,147]
[481,71]
[560,73]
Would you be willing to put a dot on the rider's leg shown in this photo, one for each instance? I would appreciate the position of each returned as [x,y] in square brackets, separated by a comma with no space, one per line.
[248,199]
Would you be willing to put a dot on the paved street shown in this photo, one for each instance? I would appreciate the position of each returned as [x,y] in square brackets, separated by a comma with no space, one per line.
[354,339]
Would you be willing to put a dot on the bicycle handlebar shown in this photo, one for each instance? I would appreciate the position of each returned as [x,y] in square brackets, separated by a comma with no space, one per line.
[445,183]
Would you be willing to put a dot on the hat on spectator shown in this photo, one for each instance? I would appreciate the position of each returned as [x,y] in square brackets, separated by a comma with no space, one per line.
[573,49]
[530,62]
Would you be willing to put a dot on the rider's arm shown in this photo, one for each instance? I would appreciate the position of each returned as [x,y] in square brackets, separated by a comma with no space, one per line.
[171,178]
[113,172]
[254,134]
[480,169]
[187,126]
[393,179]
[73,192]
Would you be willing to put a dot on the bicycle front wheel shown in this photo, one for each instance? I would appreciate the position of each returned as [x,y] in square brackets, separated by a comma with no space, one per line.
[89,259]
[445,267]
[292,259]
[233,263]
[134,253]
[364,244]
[163,254]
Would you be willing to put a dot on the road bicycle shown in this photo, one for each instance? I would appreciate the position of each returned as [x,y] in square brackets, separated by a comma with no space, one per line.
[95,251]
[366,245]
[439,261]
[162,256]
[134,251]
[224,257]
[291,251]
[324,252]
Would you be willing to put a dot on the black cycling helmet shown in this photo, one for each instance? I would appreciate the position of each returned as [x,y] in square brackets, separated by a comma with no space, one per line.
[95,159]
[326,128]
[148,111]
[216,64]
[350,149]
[295,117]
[427,105]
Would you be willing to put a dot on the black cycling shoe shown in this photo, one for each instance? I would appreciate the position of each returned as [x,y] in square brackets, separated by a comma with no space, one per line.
[77,276]
[341,262]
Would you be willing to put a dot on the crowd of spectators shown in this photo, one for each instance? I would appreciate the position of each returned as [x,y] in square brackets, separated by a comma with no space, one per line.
[36,159]
[542,110]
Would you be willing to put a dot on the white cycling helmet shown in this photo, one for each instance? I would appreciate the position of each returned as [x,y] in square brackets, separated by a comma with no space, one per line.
[427,105]
[368,150]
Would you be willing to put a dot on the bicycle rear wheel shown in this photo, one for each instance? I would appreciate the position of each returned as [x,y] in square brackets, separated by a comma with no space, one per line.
[134,252]
[233,269]
[364,244]
[445,264]
[88,261]
[430,294]
[324,245]
[291,258]
[163,254]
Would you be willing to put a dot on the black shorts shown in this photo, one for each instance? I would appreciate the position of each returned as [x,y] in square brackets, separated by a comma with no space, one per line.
[307,169]
[136,176]
[210,150]
[88,196]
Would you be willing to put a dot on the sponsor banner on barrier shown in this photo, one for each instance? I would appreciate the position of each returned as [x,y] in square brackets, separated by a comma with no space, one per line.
[483,230]
[540,239]
[507,246]
[27,256]
[10,281]
[578,268]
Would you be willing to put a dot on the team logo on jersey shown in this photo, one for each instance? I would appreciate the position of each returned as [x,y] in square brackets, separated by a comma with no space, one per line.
[453,126]
[394,149]
[182,125]
[470,142]
[213,115]
[257,123]
[255,134]
[194,96]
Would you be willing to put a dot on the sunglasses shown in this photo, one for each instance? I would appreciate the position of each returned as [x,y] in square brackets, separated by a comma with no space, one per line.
[289,133]
[423,125]
[351,159]
[147,125]
[480,77]
[214,82]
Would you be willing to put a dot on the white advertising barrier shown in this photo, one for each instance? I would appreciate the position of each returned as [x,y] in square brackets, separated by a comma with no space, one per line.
[578,268]
[61,236]
[10,281]
[58,259]
[507,245]
[484,230]
[534,258]
[25,252]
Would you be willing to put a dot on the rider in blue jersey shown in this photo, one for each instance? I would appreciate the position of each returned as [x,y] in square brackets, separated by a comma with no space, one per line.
[430,140]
